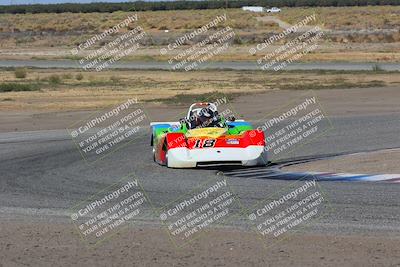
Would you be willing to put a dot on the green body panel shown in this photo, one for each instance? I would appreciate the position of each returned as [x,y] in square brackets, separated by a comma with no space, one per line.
[239,129]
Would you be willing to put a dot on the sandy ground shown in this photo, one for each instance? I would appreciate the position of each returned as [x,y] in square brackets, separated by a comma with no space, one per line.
[57,244]
[385,161]
[326,52]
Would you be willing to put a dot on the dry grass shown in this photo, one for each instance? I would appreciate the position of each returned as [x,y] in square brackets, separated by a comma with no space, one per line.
[150,20]
[351,18]
[324,53]
[368,17]
[101,89]
[70,29]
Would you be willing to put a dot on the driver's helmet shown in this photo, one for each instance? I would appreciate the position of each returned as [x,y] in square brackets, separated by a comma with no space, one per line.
[205,115]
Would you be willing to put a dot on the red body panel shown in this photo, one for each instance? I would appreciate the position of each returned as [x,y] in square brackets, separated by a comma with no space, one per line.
[175,140]
[248,138]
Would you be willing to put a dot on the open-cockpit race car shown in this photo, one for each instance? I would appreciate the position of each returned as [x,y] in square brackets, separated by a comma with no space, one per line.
[204,137]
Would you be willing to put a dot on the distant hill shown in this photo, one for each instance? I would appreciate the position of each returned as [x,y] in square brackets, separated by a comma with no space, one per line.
[181,5]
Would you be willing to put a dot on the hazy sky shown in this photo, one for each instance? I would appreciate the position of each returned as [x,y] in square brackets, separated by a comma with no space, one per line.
[19,2]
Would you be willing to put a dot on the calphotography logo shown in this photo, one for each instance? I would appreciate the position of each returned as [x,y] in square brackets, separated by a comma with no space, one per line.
[124,44]
[110,210]
[305,40]
[288,210]
[191,50]
[294,125]
[187,217]
[106,131]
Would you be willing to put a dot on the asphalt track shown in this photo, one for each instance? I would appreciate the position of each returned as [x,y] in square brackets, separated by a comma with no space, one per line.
[43,175]
[243,65]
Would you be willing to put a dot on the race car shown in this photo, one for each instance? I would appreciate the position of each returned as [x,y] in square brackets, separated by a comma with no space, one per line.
[204,136]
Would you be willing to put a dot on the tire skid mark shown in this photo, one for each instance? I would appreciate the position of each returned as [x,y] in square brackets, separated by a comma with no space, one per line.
[274,172]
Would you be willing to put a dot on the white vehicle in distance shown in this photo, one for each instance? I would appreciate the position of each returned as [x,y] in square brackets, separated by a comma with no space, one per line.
[273,10]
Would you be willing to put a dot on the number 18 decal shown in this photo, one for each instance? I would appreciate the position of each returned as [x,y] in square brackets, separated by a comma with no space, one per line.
[204,143]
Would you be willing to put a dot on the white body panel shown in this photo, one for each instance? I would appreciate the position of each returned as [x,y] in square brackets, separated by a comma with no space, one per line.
[188,158]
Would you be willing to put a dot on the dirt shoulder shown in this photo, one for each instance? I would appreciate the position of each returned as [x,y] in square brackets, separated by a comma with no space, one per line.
[57,244]
[327,52]
[384,161]
[66,90]
[252,107]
